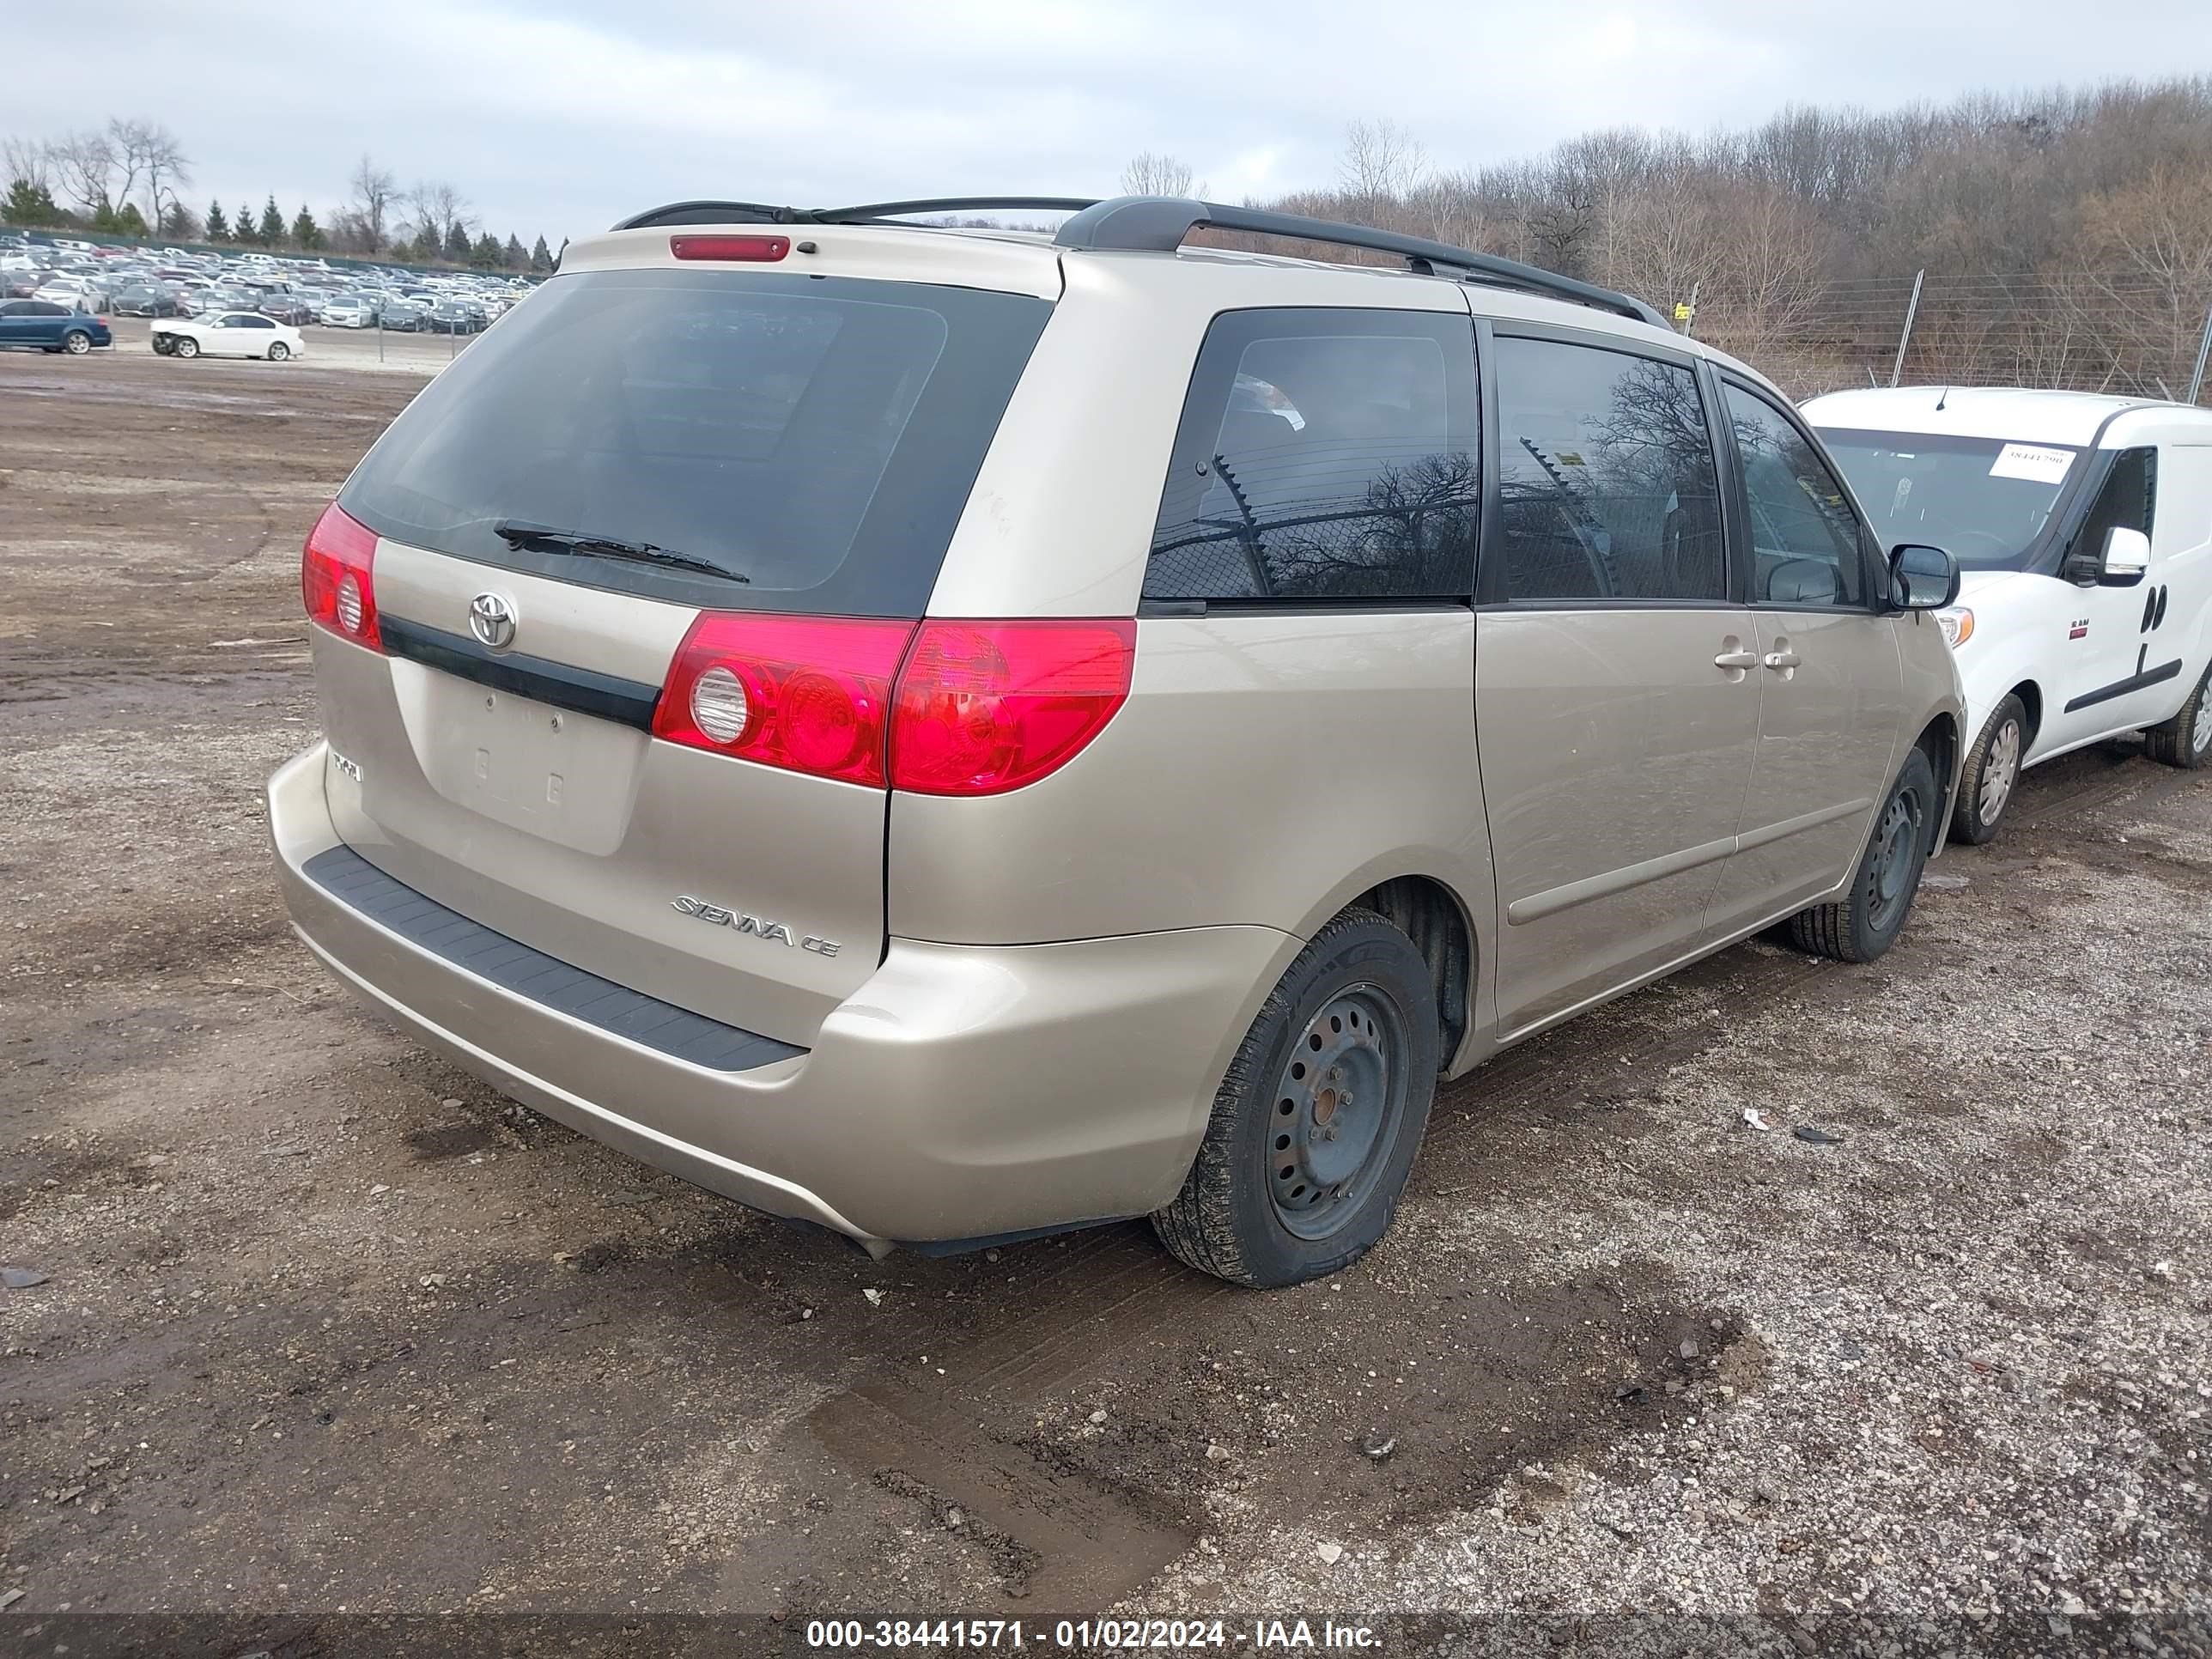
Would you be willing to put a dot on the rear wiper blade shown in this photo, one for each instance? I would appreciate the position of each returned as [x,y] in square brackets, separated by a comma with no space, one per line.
[517,532]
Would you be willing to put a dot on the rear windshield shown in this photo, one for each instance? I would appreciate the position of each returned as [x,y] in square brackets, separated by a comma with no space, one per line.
[1983,500]
[815,436]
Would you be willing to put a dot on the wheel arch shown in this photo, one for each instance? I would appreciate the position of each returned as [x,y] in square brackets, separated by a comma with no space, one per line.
[1435,917]
[1942,741]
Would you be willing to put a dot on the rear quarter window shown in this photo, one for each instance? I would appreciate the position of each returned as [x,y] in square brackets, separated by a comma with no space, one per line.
[818,436]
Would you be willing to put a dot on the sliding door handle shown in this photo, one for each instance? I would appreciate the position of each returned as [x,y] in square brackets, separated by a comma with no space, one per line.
[1737,660]
[1782,661]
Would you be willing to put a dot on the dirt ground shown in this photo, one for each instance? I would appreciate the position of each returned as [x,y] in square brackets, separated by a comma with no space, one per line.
[326,1326]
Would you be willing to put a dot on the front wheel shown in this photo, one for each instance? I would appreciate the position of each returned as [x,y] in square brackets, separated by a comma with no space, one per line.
[185,347]
[1316,1125]
[77,342]
[1992,768]
[1866,921]
[2186,740]
[279,351]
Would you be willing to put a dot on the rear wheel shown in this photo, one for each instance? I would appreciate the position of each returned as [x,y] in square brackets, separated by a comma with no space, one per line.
[279,351]
[77,342]
[2186,740]
[1316,1123]
[1866,921]
[1992,769]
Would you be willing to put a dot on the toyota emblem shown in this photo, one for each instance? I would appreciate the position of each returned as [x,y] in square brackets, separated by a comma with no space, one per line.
[491,619]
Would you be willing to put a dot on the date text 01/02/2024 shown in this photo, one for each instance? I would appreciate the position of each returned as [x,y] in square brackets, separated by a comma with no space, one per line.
[1134,1634]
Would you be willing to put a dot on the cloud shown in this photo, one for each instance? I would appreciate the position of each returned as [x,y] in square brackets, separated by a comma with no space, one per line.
[562,116]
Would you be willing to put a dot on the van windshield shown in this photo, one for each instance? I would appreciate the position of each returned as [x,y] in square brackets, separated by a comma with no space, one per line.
[1984,501]
[816,436]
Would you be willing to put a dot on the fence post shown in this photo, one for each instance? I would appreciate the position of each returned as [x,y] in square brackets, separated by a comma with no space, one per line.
[1905,339]
[2204,349]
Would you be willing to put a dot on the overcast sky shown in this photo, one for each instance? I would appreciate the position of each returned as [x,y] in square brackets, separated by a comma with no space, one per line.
[560,116]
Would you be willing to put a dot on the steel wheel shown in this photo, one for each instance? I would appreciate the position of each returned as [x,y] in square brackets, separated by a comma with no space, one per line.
[2200,734]
[1343,1087]
[1999,771]
[1896,859]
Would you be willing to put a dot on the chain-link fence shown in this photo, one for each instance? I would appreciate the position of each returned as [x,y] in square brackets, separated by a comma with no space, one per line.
[2124,333]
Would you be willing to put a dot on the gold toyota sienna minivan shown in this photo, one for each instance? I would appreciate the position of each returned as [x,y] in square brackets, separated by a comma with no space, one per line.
[956,735]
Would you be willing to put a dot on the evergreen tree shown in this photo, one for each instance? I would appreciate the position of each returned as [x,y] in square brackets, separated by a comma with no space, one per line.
[218,223]
[30,204]
[511,255]
[241,223]
[305,233]
[426,245]
[541,257]
[104,217]
[177,222]
[130,221]
[458,246]
[484,255]
[272,224]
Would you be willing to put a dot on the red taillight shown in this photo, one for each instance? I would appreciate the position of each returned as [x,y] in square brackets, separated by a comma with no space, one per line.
[985,706]
[808,694]
[337,577]
[757,249]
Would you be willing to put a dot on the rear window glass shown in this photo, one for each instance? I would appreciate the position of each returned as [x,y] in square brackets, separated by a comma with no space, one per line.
[1325,457]
[818,436]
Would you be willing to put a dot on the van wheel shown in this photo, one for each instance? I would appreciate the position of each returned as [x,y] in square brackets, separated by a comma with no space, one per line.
[1992,769]
[1867,920]
[1316,1123]
[2186,740]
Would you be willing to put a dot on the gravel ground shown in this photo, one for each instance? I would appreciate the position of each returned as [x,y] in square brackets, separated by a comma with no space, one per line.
[327,1326]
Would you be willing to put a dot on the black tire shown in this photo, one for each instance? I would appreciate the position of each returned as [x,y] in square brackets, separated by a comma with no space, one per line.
[76,342]
[2186,740]
[1359,992]
[1866,921]
[1991,774]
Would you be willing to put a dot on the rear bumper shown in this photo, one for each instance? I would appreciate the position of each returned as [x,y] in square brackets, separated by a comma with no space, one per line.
[962,1092]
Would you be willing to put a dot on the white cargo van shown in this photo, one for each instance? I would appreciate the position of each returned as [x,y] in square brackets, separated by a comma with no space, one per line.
[2082,526]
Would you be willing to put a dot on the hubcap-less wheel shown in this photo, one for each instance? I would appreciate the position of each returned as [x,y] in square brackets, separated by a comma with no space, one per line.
[1896,844]
[2000,770]
[1344,1084]
[2200,730]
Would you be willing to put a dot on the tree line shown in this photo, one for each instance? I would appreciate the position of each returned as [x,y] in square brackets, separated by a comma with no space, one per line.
[127,178]
[2073,226]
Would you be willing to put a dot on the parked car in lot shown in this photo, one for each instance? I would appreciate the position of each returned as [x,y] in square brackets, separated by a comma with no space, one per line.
[51,326]
[228,334]
[290,309]
[147,299]
[2083,526]
[348,310]
[1124,745]
[404,315]
[79,293]
[453,317]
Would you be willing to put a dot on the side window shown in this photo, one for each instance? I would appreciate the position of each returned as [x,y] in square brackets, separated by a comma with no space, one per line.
[1806,543]
[1324,455]
[258,322]
[1605,476]
[2128,500]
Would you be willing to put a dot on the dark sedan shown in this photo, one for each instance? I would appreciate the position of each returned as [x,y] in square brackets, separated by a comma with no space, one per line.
[50,327]
[147,299]
[455,316]
[287,308]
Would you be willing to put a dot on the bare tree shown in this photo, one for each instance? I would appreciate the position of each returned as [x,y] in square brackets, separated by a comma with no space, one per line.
[30,160]
[84,167]
[1148,174]
[436,206]
[147,153]
[374,190]
[1382,162]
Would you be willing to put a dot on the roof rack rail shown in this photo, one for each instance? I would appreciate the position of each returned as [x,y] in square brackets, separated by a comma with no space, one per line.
[707,213]
[1160,223]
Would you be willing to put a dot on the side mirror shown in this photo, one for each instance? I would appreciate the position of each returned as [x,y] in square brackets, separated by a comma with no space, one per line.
[1922,578]
[2127,557]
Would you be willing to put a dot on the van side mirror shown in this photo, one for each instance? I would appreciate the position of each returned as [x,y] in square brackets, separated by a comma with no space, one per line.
[2126,557]
[1922,578]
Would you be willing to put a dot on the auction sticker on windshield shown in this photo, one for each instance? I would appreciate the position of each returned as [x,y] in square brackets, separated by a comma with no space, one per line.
[2029,461]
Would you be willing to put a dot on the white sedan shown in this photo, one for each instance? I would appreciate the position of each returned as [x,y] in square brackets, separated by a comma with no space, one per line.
[228,334]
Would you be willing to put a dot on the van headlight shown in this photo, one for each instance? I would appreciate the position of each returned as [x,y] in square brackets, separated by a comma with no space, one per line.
[1957,623]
